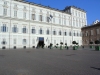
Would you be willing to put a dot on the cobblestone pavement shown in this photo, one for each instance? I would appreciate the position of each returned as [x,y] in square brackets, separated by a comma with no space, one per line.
[49,62]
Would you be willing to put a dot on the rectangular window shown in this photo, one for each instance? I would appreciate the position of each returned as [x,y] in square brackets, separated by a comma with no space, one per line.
[91,32]
[48,19]
[33,17]
[47,31]
[14,41]
[54,32]
[41,31]
[97,30]
[5,11]
[70,34]
[24,41]
[33,31]
[65,33]
[64,21]
[24,15]
[40,17]
[15,13]
[14,29]
[59,21]
[59,32]
[24,29]
[5,2]
[4,28]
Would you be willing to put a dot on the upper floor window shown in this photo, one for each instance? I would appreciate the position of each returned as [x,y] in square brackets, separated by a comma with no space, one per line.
[70,34]
[4,28]
[41,31]
[74,33]
[15,5]
[33,17]
[5,11]
[24,15]
[59,32]
[77,34]
[24,29]
[86,33]
[5,2]
[48,19]
[53,20]
[91,32]
[97,31]
[24,7]
[15,13]
[15,29]
[41,18]
[33,30]
[59,21]
[64,21]
[65,33]
[54,32]
[48,32]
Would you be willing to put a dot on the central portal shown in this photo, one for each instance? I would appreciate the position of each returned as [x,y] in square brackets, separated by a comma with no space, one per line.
[41,42]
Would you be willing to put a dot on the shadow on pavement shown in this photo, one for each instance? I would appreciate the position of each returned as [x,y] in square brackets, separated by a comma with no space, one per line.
[95,68]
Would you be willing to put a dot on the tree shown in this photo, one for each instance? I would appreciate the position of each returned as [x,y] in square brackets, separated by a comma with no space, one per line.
[74,42]
[65,43]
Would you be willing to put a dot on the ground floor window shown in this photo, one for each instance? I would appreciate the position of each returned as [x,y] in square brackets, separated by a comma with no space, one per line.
[4,42]
[24,41]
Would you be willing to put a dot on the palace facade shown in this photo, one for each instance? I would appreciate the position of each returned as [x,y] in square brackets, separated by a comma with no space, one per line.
[24,24]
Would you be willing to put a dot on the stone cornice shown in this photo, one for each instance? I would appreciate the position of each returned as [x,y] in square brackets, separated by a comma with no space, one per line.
[30,21]
[39,5]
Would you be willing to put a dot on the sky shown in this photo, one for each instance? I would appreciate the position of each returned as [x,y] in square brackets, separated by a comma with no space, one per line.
[92,7]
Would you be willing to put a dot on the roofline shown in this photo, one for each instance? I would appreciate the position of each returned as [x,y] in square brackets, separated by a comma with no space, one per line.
[68,7]
[47,7]
[98,24]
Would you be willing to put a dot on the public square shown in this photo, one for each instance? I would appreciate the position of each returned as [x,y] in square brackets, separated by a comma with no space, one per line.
[49,62]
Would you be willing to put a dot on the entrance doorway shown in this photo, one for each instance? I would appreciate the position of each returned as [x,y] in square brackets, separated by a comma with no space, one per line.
[41,42]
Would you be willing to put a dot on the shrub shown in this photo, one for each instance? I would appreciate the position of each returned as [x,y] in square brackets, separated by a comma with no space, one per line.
[65,43]
[74,42]
[61,43]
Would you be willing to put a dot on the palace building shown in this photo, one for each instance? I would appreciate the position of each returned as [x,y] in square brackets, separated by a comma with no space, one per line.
[25,25]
